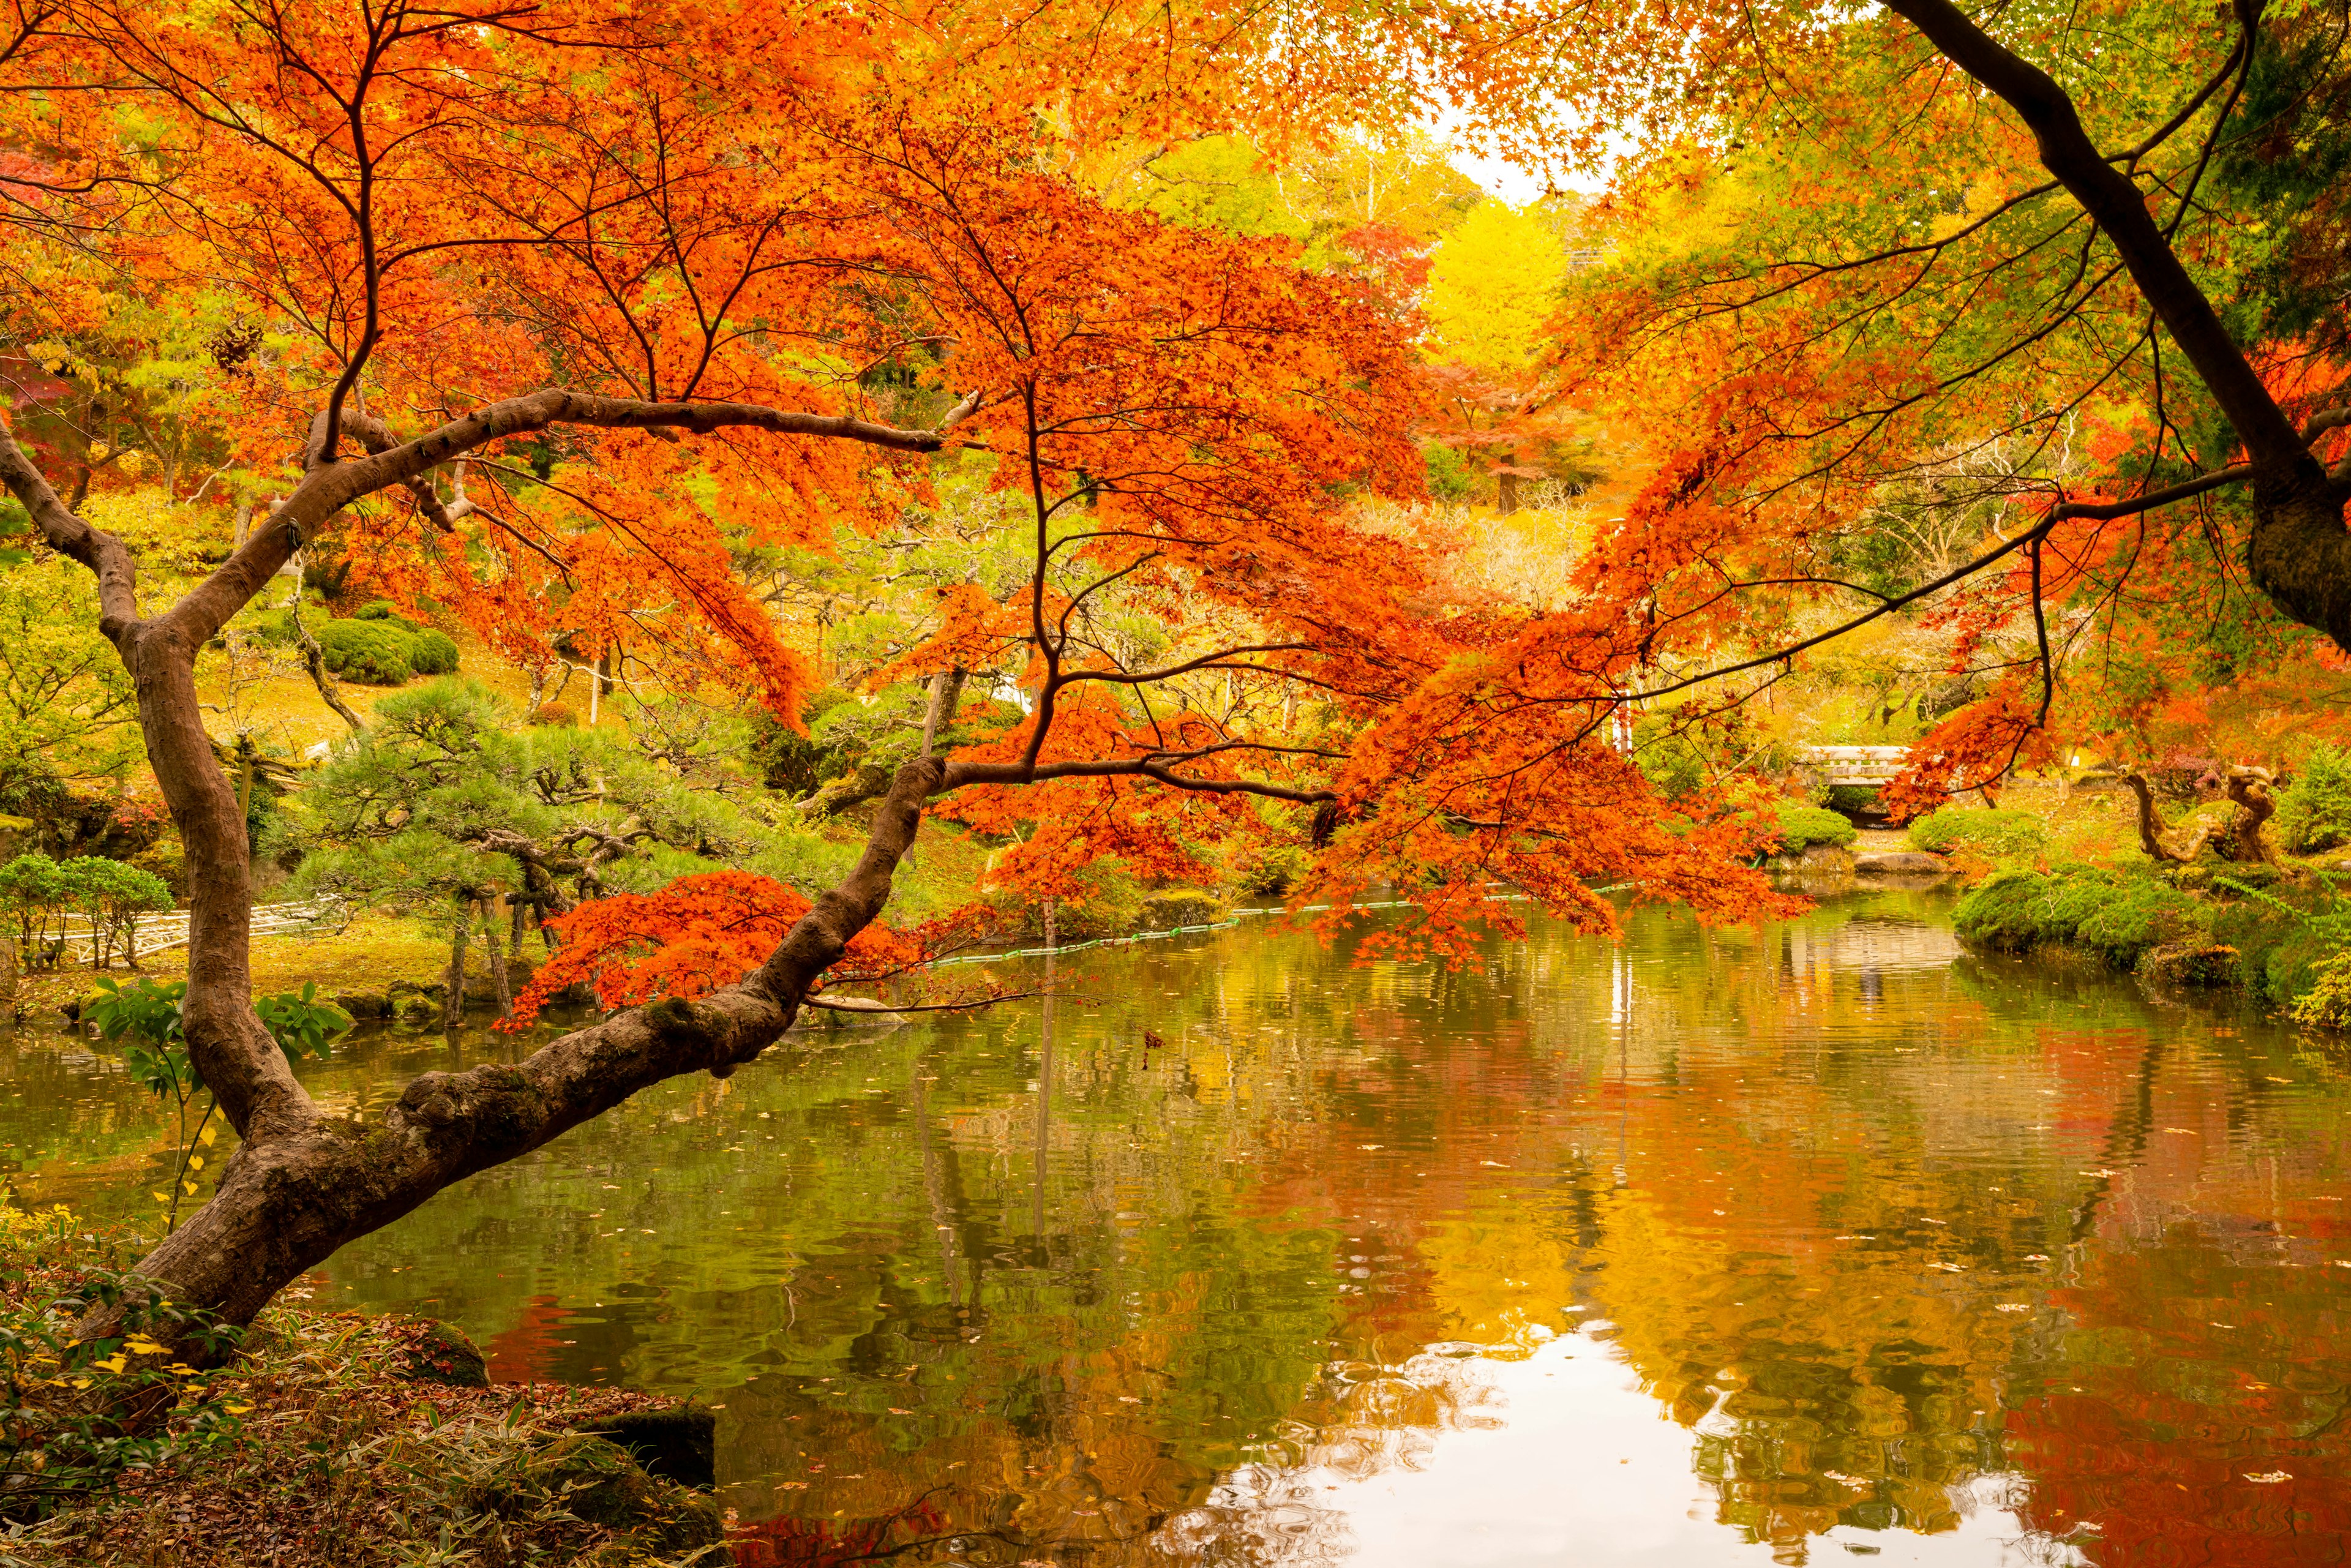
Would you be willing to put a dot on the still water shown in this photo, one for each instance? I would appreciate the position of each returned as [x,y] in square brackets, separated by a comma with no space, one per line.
[1711,1246]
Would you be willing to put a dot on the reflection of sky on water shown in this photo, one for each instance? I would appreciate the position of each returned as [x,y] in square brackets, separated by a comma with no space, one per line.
[1567,1461]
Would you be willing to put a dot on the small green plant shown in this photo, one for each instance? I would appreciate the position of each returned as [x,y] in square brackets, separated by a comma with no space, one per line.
[62,1396]
[144,1019]
[1995,833]
[2314,812]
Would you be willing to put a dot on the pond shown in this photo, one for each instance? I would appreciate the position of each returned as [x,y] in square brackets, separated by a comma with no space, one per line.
[1712,1246]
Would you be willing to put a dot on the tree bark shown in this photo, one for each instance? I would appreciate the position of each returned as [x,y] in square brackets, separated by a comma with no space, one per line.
[498,987]
[314,659]
[452,1007]
[2250,789]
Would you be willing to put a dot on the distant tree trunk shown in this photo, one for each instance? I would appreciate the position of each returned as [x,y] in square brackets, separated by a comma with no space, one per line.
[1509,487]
[455,1004]
[498,987]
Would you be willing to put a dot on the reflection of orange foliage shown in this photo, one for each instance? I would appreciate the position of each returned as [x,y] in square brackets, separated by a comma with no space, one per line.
[526,1352]
[2208,1371]
[790,1542]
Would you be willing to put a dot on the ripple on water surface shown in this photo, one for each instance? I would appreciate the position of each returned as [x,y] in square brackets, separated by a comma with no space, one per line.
[1822,1238]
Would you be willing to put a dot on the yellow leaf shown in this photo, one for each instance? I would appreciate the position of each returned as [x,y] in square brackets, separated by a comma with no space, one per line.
[195,1161]
[207,1138]
[161,1196]
[188,1186]
[112,1363]
[139,1344]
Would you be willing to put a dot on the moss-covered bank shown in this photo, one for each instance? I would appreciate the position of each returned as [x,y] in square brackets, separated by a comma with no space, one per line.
[327,1440]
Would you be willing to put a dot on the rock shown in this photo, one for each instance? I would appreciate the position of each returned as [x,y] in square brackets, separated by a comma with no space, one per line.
[678,1444]
[1900,863]
[596,1480]
[412,1002]
[1815,861]
[2190,964]
[1178,906]
[365,1004]
[444,1355]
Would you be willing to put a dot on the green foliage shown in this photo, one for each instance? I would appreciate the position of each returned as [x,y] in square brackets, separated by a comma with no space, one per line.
[143,1017]
[1803,825]
[146,1020]
[1273,870]
[1996,833]
[2328,1003]
[2139,914]
[2314,812]
[108,894]
[2287,941]
[441,800]
[61,1435]
[794,762]
[300,1023]
[1450,475]
[2120,918]
[67,708]
[432,652]
[371,652]
[384,611]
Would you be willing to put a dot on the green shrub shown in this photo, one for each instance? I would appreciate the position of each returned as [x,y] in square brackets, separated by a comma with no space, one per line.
[2328,1003]
[1803,825]
[1450,478]
[1986,832]
[1847,798]
[373,653]
[2314,812]
[382,609]
[432,652]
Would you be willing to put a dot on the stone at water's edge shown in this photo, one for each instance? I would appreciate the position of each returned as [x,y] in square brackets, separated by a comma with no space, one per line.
[2190,964]
[1900,863]
[599,1482]
[679,1444]
[444,1355]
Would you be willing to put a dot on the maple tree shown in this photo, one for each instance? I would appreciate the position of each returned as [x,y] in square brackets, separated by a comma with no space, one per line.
[1973,260]
[562,312]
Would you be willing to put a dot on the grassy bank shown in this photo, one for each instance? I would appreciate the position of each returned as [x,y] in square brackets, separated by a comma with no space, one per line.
[325,1440]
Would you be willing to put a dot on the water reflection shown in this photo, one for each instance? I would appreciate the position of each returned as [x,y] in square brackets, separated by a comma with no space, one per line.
[1711,1246]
